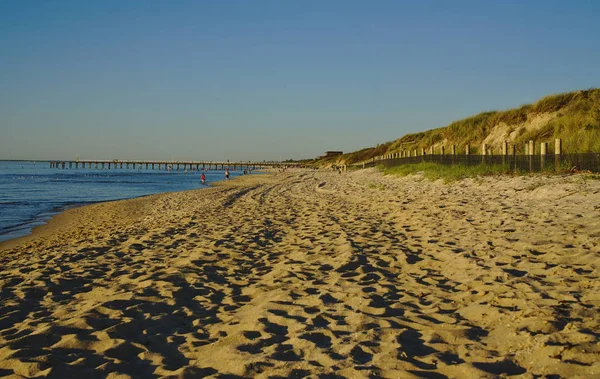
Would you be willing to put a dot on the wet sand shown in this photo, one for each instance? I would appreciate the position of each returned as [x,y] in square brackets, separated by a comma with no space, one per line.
[313,274]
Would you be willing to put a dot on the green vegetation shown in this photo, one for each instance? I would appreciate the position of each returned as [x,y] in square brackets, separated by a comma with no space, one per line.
[365,154]
[378,186]
[573,117]
[450,173]
[590,177]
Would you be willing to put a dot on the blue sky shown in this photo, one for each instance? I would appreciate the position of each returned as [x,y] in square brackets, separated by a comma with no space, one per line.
[254,80]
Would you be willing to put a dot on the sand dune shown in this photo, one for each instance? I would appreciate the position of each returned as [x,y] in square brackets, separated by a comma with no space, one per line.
[313,274]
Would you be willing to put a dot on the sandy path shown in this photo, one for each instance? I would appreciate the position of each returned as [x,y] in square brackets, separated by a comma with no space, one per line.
[313,274]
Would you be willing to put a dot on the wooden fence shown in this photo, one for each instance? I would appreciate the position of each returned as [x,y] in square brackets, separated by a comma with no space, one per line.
[530,161]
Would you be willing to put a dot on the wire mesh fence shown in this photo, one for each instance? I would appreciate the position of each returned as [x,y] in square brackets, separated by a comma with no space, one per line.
[517,163]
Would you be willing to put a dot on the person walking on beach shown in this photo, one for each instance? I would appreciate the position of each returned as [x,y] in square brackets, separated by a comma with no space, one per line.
[226,174]
[203,178]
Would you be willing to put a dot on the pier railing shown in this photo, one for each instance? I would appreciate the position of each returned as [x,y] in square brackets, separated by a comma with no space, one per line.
[164,165]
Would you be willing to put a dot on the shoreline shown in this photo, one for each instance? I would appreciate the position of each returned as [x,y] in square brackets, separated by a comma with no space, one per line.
[50,215]
[44,217]
[313,273]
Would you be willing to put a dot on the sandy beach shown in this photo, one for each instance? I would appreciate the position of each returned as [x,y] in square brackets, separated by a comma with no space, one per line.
[313,274]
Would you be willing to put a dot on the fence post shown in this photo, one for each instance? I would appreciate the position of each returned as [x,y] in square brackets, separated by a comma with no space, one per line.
[513,149]
[468,154]
[483,152]
[543,152]
[504,148]
[531,147]
[453,149]
[557,153]
[431,151]
[531,151]
[443,150]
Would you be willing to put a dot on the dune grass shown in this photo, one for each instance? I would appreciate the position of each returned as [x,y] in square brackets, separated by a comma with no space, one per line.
[451,173]
[448,173]
[577,123]
[575,120]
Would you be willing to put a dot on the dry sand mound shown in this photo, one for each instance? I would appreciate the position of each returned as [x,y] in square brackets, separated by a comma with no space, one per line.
[313,274]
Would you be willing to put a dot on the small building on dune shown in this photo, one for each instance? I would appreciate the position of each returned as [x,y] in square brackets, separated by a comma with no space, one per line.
[329,154]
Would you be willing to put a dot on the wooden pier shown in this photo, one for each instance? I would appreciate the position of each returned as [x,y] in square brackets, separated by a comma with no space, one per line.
[164,165]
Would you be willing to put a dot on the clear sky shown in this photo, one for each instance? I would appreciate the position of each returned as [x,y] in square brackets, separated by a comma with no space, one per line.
[254,80]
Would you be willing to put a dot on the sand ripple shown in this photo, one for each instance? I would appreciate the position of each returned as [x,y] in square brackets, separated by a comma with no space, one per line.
[313,274]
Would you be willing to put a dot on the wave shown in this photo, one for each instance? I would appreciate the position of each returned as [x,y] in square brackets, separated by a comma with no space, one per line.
[15,203]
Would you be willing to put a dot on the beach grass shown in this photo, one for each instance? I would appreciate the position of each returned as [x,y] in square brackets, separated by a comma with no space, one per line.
[451,173]
[577,123]
[448,173]
[573,117]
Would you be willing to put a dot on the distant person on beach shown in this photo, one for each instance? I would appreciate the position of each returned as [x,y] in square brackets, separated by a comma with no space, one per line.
[226,174]
[203,178]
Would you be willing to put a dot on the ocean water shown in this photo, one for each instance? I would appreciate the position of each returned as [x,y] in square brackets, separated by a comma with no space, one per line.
[31,193]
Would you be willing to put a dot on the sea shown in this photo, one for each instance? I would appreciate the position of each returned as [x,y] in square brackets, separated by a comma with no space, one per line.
[32,192]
